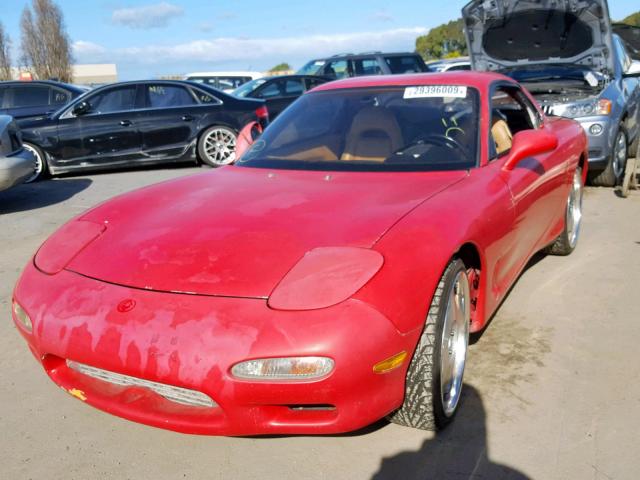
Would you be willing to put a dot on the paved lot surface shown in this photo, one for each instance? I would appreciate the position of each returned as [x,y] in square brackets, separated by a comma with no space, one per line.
[553,384]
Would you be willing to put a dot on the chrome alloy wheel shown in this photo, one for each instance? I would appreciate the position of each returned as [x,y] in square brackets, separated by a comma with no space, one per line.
[455,339]
[220,146]
[620,154]
[38,163]
[574,209]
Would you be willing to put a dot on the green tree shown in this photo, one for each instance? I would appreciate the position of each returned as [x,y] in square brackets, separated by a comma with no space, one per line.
[281,67]
[633,19]
[446,40]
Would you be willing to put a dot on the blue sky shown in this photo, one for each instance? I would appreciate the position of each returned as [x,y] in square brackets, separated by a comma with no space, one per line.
[159,37]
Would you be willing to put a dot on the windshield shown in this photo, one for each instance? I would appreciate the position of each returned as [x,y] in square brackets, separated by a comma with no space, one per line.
[311,68]
[246,88]
[422,128]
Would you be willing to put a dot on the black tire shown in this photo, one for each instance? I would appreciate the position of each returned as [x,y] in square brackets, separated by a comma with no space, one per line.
[41,168]
[568,239]
[609,177]
[423,407]
[204,151]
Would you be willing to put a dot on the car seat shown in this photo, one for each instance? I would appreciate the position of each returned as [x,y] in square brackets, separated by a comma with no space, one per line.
[373,136]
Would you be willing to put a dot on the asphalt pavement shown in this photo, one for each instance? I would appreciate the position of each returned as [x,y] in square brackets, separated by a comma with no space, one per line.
[552,384]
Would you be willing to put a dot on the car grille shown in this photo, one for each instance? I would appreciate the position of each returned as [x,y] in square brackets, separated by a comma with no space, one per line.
[547,109]
[184,396]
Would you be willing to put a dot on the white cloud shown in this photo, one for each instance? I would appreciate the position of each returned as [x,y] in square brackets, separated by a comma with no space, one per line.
[88,49]
[381,16]
[157,15]
[221,50]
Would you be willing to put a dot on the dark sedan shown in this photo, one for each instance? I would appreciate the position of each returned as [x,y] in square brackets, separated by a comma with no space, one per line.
[279,92]
[132,124]
[31,100]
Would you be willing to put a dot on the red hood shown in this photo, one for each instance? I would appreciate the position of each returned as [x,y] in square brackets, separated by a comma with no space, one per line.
[238,231]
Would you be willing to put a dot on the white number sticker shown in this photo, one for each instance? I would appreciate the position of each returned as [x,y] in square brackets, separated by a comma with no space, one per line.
[431,91]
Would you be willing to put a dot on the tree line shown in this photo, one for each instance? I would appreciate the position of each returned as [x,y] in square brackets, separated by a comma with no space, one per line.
[44,44]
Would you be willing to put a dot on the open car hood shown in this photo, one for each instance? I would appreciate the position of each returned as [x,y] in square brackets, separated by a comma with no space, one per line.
[631,36]
[504,34]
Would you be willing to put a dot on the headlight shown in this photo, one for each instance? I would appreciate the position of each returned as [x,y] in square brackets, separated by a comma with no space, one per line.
[584,109]
[324,277]
[22,317]
[289,368]
[59,249]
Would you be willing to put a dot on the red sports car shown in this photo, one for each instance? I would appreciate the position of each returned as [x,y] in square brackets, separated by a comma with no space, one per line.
[328,279]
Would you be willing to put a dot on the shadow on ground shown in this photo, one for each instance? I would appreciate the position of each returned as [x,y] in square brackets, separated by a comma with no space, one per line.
[460,451]
[40,194]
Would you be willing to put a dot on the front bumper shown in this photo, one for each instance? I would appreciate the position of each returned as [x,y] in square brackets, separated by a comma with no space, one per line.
[15,169]
[601,145]
[193,341]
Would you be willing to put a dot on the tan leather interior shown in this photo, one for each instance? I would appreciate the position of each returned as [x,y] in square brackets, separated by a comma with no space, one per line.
[373,136]
[501,135]
[314,154]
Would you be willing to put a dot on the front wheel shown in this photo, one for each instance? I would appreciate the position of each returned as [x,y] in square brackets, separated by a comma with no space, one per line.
[39,162]
[568,239]
[614,171]
[217,146]
[434,378]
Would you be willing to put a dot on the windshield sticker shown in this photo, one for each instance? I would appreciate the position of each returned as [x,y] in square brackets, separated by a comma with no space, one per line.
[435,91]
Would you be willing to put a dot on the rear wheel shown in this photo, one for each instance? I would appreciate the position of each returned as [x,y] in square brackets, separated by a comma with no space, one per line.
[217,146]
[40,163]
[568,239]
[612,175]
[434,378]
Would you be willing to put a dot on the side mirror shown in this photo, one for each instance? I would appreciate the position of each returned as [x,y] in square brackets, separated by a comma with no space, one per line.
[633,70]
[81,108]
[528,143]
[246,137]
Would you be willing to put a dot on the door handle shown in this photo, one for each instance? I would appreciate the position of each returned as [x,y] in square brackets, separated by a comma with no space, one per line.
[125,123]
[187,118]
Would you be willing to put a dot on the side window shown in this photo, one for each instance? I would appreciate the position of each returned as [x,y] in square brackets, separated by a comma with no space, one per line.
[59,97]
[511,112]
[459,67]
[409,64]
[2,90]
[113,100]
[337,69]
[293,87]
[366,66]
[314,82]
[29,96]
[206,98]
[166,96]
[271,90]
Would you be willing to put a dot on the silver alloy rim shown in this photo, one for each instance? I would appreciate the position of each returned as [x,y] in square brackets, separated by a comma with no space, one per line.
[574,209]
[620,154]
[455,339]
[220,146]
[37,163]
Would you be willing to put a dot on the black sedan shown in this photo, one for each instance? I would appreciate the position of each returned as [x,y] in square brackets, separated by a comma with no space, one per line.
[132,124]
[279,92]
[30,100]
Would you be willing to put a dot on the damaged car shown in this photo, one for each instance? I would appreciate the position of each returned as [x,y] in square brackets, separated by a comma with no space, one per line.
[568,56]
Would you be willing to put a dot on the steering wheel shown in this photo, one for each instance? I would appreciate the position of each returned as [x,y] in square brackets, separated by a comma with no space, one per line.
[442,140]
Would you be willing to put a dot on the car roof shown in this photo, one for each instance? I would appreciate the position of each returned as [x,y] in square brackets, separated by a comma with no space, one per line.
[479,80]
[223,74]
[49,83]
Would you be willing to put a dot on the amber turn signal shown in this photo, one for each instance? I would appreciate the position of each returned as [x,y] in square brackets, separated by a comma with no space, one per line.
[390,363]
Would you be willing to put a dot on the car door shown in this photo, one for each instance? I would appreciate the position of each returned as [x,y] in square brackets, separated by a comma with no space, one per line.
[169,122]
[107,133]
[279,94]
[630,88]
[27,101]
[537,184]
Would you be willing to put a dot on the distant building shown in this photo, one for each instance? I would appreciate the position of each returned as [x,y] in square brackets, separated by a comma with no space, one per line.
[83,74]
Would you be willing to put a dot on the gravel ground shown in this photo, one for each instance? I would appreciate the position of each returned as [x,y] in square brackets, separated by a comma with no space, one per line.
[552,385]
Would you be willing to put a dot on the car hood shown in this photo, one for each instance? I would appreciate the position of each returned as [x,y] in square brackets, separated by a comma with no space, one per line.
[511,33]
[237,231]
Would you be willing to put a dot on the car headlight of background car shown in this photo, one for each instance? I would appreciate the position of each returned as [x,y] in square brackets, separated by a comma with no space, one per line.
[583,109]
